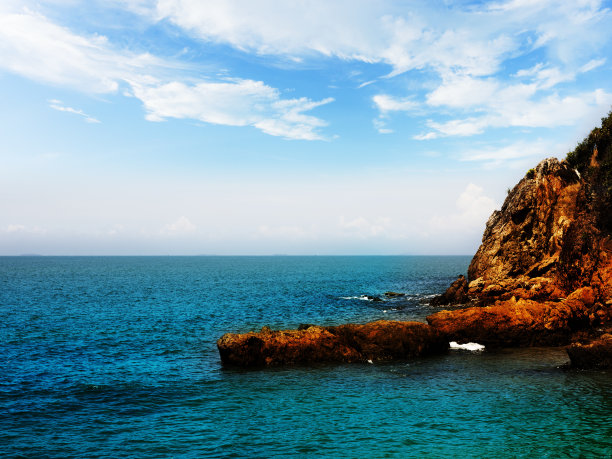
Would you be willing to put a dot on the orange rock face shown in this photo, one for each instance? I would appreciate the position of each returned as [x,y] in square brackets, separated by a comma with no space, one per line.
[525,238]
[518,322]
[381,340]
[544,270]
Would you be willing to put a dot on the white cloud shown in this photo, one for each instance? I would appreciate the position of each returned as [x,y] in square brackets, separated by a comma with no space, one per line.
[180,227]
[13,228]
[512,105]
[329,28]
[462,40]
[405,38]
[463,91]
[461,128]
[462,46]
[386,103]
[234,103]
[546,77]
[33,46]
[473,208]
[521,150]
[381,126]
[58,105]
[592,64]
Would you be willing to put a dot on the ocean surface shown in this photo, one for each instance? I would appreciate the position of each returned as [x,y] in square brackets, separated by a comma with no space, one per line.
[116,357]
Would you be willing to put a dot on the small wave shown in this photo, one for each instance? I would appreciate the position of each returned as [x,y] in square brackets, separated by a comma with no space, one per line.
[467,346]
[361,297]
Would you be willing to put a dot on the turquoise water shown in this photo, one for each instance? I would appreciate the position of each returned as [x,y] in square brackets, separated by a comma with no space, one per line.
[116,357]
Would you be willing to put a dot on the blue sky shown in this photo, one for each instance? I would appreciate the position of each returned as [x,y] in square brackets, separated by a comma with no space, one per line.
[268,127]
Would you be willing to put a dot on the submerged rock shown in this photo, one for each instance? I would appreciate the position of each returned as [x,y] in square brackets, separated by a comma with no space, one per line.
[375,341]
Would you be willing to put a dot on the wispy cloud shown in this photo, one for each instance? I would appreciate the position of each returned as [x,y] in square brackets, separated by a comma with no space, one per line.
[232,103]
[58,105]
[463,50]
[33,46]
[514,106]
[504,154]
[592,65]
[386,103]
[468,40]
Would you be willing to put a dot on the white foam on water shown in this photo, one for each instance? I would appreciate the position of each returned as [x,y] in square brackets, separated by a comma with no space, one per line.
[362,298]
[466,346]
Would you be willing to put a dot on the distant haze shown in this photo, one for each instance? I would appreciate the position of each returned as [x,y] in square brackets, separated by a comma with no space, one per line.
[195,127]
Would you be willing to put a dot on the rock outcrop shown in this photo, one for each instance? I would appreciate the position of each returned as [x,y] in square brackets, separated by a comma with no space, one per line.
[374,341]
[542,276]
[518,322]
[543,273]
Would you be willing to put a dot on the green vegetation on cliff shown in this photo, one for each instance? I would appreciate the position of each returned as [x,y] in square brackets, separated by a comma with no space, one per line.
[593,159]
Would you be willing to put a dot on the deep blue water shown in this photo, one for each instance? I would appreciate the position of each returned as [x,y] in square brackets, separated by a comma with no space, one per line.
[116,357]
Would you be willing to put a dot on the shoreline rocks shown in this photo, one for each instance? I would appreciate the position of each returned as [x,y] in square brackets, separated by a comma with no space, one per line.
[382,340]
[518,322]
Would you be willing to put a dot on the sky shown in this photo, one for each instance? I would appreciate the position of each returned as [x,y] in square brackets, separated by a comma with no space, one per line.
[315,127]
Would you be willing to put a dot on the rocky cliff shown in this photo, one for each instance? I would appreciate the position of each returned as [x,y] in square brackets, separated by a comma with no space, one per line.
[542,276]
[543,273]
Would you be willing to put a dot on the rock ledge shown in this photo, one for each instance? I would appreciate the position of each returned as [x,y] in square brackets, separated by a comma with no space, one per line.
[373,341]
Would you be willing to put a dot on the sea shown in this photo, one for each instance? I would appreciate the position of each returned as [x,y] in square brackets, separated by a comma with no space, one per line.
[108,357]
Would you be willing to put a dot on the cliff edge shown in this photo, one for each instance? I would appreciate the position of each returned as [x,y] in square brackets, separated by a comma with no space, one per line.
[543,273]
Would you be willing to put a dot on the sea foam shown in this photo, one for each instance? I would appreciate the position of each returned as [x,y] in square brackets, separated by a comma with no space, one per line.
[466,346]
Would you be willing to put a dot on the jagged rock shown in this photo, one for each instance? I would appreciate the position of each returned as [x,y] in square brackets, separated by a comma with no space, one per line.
[524,240]
[457,293]
[595,355]
[381,340]
[543,272]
